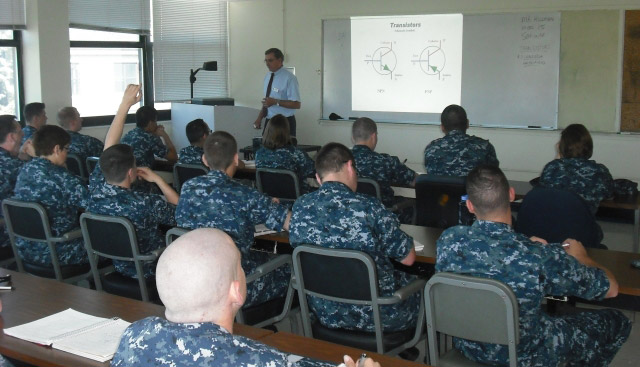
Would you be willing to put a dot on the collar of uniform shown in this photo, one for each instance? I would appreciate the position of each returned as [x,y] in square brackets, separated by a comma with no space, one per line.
[489,226]
[361,147]
[279,71]
[218,175]
[335,185]
[72,132]
[4,152]
[456,132]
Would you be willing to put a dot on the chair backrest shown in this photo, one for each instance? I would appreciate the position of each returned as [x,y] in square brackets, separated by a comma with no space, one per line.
[278,183]
[183,172]
[174,233]
[478,309]
[438,200]
[109,236]
[556,215]
[369,187]
[76,166]
[91,162]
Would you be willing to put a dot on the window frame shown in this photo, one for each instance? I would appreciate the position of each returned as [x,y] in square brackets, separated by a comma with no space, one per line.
[16,42]
[144,44]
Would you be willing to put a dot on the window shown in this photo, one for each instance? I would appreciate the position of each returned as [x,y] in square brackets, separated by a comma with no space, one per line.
[9,73]
[102,64]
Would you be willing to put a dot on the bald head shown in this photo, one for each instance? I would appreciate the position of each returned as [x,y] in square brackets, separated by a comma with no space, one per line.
[197,276]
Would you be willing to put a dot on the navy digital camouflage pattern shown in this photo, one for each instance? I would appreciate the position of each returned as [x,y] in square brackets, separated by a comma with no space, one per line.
[157,342]
[336,217]
[62,194]
[216,201]
[9,169]
[191,155]
[145,211]
[28,133]
[591,180]
[290,158]
[84,145]
[532,270]
[146,146]
[457,153]
[383,168]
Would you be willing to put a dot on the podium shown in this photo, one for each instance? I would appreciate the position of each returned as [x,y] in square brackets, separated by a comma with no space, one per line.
[236,120]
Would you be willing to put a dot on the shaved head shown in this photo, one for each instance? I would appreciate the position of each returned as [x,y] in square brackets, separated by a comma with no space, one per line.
[195,276]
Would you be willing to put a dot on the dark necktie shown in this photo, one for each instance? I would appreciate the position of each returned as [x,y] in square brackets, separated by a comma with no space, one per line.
[268,91]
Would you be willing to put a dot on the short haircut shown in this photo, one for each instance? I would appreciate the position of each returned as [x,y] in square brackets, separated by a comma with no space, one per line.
[144,115]
[362,129]
[276,52]
[575,142]
[454,117]
[331,158]
[46,139]
[116,161]
[488,189]
[32,110]
[7,126]
[65,115]
[277,134]
[196,129]
[219,150]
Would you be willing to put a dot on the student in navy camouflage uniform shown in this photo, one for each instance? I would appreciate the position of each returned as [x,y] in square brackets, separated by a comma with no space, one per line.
[336,216]
[457,153]
[36,117]
[277,151]
[45,180]
[574,171]
[111,193]
[532,268]
[145,139]
[202,285]
[216,201]
[197,131]
[383,168]
[81,145]
[11,159]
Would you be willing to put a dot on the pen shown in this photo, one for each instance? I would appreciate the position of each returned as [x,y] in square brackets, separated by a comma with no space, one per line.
[566,244]
[405,161]
[7,288]
[361,360]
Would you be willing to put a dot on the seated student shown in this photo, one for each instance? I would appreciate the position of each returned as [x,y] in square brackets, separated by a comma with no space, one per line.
[336,216]
[197,131]
[82,145]
[216,201]
[145,139]
[35,117]
[111,192]
[383,168]
[457,153]
[45,180]
[11,159]
[277,151]
[202,285]
[574,171]
[490,248]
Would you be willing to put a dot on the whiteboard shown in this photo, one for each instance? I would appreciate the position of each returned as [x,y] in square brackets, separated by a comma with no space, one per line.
[510,71]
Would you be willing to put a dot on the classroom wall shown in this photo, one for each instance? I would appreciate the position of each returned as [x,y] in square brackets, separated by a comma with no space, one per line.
[589,83]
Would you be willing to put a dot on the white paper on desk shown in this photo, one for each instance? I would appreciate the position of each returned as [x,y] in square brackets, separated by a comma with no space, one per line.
[45,330]
[292,358]
[261,229]
[418,246]
[99,344]
[249,164]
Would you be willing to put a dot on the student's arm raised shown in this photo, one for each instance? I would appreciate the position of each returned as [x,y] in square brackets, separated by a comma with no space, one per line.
[132,95]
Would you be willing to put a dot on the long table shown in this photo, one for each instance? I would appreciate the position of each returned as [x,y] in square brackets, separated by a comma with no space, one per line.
[325,351]
[35,298]
[617,261]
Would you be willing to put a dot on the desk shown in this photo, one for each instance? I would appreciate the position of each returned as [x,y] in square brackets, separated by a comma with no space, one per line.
[322,350]
[35,298]
[249,153]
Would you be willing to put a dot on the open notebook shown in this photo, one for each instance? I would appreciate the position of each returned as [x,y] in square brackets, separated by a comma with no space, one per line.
[74,332]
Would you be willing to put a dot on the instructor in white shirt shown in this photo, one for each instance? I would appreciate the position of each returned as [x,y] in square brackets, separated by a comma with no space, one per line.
[282,95]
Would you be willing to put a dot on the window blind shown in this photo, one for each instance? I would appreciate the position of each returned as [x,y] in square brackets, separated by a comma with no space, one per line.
[131,16]
[186,33]
[12,15]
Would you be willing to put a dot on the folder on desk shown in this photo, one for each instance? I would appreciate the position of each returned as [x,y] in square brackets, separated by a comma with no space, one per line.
[74,332]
